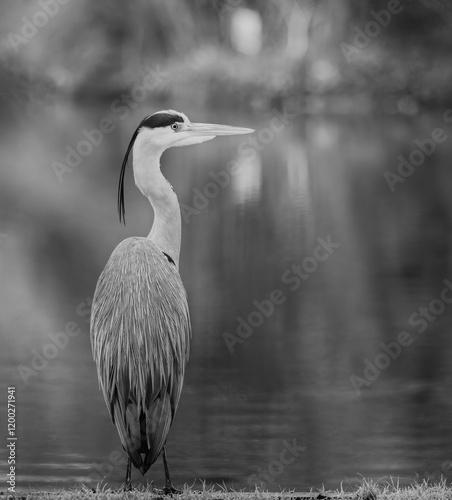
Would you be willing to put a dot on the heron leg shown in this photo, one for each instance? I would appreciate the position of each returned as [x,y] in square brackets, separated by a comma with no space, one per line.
[169,489]
[128,483]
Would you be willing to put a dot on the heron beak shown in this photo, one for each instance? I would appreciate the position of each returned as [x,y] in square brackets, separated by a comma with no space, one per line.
[212,130]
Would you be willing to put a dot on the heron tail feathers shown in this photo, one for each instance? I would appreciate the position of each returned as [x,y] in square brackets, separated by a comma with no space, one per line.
[158,422]
[143,431]
[130,434]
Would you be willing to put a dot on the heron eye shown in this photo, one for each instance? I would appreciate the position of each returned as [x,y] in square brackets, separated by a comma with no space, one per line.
[175,126]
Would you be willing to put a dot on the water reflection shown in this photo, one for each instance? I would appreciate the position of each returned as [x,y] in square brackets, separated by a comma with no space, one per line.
[246,182]
[320,180]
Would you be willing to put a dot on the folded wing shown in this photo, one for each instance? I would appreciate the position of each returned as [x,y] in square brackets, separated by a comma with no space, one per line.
[140,334]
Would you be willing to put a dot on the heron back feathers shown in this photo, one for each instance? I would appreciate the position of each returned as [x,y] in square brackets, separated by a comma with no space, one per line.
[140,335]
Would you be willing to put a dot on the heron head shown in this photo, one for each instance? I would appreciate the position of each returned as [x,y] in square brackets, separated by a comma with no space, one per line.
[166,129]
[169,128]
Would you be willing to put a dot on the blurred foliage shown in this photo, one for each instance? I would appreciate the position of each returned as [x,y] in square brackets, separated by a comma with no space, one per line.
[95,50]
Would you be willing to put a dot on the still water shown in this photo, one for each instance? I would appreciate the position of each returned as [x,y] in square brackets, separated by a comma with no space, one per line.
[305,251]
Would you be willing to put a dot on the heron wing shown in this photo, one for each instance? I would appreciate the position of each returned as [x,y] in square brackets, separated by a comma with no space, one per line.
[140,334]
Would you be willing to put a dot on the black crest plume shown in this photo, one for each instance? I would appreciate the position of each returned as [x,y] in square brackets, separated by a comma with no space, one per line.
[121,205]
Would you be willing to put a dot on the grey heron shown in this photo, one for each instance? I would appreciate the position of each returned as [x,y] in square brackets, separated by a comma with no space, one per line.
[140,323]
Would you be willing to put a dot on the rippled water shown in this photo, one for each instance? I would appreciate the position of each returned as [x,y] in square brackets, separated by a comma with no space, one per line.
[319,180]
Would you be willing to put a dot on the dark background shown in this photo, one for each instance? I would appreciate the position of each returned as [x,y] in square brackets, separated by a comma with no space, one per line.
[352,111]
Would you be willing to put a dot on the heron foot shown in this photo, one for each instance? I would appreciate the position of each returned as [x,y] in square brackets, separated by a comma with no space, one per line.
[171,490]
[128,486]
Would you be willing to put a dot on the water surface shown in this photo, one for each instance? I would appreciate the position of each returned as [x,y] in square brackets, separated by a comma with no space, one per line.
[318,179]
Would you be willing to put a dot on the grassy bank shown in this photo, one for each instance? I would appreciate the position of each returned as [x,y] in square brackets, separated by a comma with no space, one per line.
[366,491]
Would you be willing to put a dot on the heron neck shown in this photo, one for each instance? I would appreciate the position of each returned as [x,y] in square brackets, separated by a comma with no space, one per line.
[166,228]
